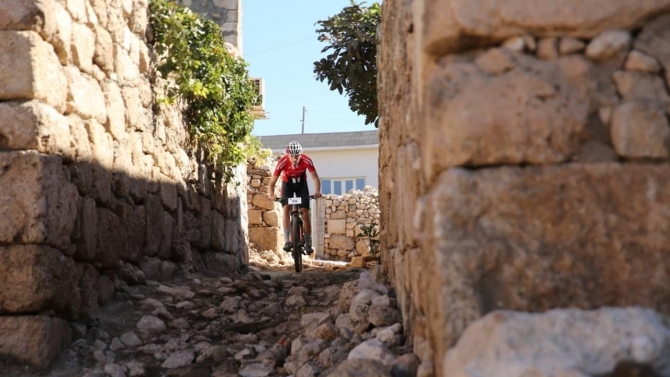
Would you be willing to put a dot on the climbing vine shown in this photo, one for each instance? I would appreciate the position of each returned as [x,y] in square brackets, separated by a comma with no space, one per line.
[213,84]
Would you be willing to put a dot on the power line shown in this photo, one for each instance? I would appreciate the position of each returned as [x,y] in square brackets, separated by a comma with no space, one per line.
[274,48]
[331,112]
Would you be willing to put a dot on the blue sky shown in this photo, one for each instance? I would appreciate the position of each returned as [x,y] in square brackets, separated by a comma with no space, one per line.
[280,44]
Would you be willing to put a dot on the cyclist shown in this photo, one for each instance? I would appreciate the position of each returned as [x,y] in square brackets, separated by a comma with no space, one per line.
[294,165]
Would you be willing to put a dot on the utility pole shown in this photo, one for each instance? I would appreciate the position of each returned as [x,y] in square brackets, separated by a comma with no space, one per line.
[303,119]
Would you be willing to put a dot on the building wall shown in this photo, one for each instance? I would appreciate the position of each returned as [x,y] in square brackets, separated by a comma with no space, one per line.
[524,159]
[338,163]
[226,13]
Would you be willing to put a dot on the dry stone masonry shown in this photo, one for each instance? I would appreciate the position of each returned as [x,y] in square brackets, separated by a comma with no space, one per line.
[344,215]
[265,216]
[524,160]
[97,188]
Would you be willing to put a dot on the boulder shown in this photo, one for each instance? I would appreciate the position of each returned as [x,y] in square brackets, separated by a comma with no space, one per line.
[529,239]
[562,342]
[37,340]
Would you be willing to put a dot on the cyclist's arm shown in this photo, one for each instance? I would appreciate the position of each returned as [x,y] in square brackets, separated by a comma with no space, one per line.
[271,188]
[317,183]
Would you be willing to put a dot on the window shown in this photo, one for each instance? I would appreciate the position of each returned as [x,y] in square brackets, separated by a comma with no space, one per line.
[339,186]
[325,186]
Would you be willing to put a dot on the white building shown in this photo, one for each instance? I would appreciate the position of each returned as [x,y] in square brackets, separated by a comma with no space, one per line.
[344,160]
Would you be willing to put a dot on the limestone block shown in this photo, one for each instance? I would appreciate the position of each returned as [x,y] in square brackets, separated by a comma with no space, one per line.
[495,233]
[116,24]
[362,247]
[336,226]
[341,242]
[233,243]
[547,49]
[154,224]
[126,70]
[569,45]
[255,217]
[165,251]
[151,267]
[85,97]
[134,220]
[561,342]
[608,45]
[140,19]
[111,238]
[34,125]
[83,46]
[640,129]
[29,69]
[266,238]
[205,224]
[77,9]
[37,340]
[264,202]
[639,61]
[654,40]
[104,50]
[102,162]
[338,215]
[29,15]
[88,279]
[271,218]
[168,194]
[534,114]
[102,145]
[62,39]
[146,94]
[86,233]
[37,203]
[642,86]
[218,231]
[82,145]
[453,24]
[131,98]
[37,277]
[99,9]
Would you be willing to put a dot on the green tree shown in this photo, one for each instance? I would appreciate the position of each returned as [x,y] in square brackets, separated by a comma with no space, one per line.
[214,85]
[351,65]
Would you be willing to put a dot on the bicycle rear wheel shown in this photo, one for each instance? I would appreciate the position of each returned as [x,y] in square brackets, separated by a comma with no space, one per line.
[295,237]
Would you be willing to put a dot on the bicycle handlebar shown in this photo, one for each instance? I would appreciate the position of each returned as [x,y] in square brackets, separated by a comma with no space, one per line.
[286,199]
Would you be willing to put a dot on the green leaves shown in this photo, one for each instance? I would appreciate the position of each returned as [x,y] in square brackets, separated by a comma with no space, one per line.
[351,65]
[214,85]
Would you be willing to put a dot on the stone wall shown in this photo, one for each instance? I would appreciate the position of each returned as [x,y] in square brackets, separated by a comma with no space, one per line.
[97,185]
[524,159]
[226,13]
[344,214]
[265,228]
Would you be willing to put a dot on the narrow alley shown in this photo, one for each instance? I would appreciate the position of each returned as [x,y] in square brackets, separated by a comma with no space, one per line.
[267,321]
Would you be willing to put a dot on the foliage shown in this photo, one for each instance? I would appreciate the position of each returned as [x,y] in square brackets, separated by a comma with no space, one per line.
[351,66]
[371,231]
[213,85]
[254,149]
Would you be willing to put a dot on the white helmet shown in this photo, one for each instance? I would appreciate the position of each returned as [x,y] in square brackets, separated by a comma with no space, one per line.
[294,148]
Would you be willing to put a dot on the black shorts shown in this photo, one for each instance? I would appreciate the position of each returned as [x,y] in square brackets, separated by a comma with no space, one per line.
[300,189]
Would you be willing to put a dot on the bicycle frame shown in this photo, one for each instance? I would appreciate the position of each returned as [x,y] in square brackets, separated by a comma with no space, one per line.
[296,228]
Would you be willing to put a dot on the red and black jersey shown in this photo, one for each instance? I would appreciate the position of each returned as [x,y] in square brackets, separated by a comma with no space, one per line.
[289,171]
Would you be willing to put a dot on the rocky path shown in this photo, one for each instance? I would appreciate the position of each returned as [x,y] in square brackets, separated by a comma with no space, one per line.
[261,323]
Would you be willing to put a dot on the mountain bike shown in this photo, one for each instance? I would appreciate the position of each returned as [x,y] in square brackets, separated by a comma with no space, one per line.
[297,238]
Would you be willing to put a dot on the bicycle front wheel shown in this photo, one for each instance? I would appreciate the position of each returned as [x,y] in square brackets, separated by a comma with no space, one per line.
[295,237]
